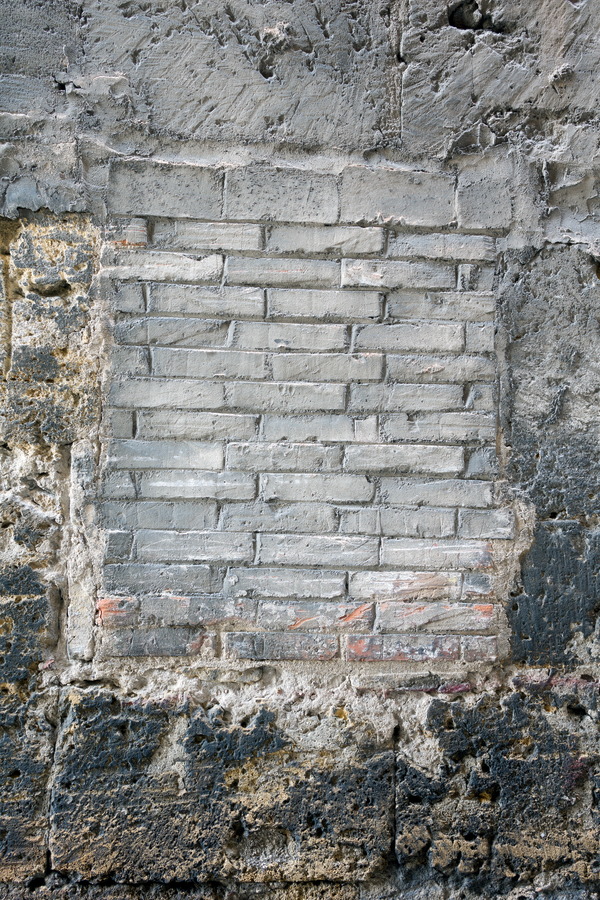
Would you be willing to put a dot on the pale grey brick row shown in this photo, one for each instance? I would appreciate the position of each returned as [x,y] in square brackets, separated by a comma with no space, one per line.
[261,192]
[470,248]
[493,523]
[165,454]
[451,427]
[412,553]
[138,578]
[282,272]
[286,583]
[155,393]
[371,398]
[238,612]
[118,486]
[480,338]
[434,617]
[381,275]
[193,546]
[276,517]
[451,369]
[147,188]
[280,646]
[284,396]
[330,428]
[440,305]
[118,545]
[434,459]
[288,336]
[346,306]
[172,332]
[317,550]
[178,363]
[314,239]
[186,235]
[405,585]
[177,424]
[189,485]
[387,194]
[358,520]
[428,522]
[314,615]
[327,367]
[200,515]
[283,457]
[313,487]
[129,361]
[211,302]
[443,492]
[410,337]
[150,265]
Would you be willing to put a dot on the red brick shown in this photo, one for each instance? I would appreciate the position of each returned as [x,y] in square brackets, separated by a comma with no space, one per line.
[117,611]
[402,647]
[280,646]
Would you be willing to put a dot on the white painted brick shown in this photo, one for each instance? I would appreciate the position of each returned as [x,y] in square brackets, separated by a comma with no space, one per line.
[490,523]
[471,277]
[143,188]
[172,332]
[387,194]
[327,367]
[201,485]
[465,247]
[450,427]
[404,458]
[138,454]
[119,423]
[462,306]
[195,425]
[217,302]
[277,517]
[286,336]
[199,515]
[180,235]
[283,397]
[425,522]
[318,549]
[480,338]
[422,554]
[435,617]
[151,265]
[208,363]
[410,397]
[319,428]
[310,487]
[286,583]
[283,457]
[379,585]
[346,306]
[129,361]
[378,274]
[452,369]
[359,520]
[118,486]
[280,194]
[128,298]
[154,393]
[325,239]
[447,492]
[136,578]
[282,272]
[410,336]
[193,546]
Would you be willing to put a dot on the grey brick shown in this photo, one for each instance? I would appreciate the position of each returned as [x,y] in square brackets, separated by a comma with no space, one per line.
[477,584]
[452,427]
[180,235]
[365,398]
[128,298]
[466,247]
[358,520]
[292,195]
[483,202]
[441,305]
[410,336]
[318,549]
[422,554]
[471,277]
[334,488]
[138,265]
[436,493]
[287,336]
[217,302]
[435,617]
[138,454]
[480,338]
[129,361]
[346,241]
[193,546]
[379,585]
[378,274]
[282,272]
[302,584]
[208,363]
[346,306]
[117,545]
[314,615]
[476,648]
[387,194]
[402,648]
[404,458]
[209,612]
[489,523]
[200,515]
[452,369]
[483,463]
[280,646]
[191,485]
[327,367]
[155,393]
[319,428]
[284,396]
[481,398]
[283,457]
[168,642]
[118,486]
[425,522]
[290,517]
[172,332]
[195,425]
[144,188]
[119,423]
[136,578]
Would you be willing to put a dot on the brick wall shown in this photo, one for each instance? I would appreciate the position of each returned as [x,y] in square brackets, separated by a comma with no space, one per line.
[300,416]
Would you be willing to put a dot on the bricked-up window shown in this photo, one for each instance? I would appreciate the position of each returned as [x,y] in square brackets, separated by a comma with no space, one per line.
[301,417]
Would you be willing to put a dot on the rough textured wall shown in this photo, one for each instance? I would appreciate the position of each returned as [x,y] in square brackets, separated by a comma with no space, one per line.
[196,195]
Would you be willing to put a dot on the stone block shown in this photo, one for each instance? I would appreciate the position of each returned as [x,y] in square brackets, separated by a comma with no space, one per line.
[396,195]
[285,195]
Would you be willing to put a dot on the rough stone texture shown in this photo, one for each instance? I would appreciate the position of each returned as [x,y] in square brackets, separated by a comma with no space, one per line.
[396,203]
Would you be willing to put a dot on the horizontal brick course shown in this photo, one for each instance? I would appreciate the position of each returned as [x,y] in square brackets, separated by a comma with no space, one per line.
[394,195]
[280,646]
[344,306]
[209,302]
[145,188]
[402,648]
[292,195]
